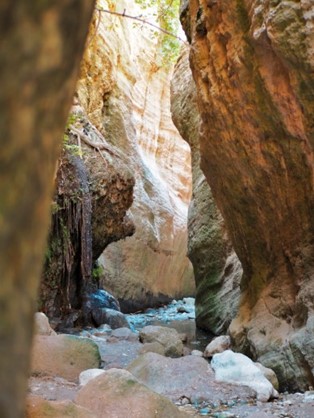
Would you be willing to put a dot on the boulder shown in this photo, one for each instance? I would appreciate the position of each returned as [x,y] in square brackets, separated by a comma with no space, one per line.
[101,299]
[154,347]
[269,374]
[185,377]
[37,407]
[117,393]
[238,369]
[65,356]
[124,333]
[217,345]
[111,317]
[42,326]
[169,338]
[197,353]
[88,375]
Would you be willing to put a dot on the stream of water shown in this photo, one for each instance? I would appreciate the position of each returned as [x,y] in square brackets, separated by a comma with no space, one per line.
[179,315]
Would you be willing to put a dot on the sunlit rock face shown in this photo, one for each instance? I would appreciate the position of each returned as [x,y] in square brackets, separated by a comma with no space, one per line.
[217,269]
[253,63]
[125,91]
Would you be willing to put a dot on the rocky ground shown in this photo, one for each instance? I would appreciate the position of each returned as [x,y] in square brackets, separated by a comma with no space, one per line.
[187,381]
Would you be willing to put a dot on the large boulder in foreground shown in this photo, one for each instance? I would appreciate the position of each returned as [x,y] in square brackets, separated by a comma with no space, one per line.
[117,393]
[169,338]
[253,65]
[130,105]
[188,377]
[65,356]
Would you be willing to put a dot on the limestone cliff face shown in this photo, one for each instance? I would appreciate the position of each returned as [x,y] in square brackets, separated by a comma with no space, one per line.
[253,63]
[217,269]
[129,104]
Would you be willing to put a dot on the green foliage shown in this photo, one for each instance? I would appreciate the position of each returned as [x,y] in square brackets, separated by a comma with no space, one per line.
[72,148]
[166,13]
[97,271]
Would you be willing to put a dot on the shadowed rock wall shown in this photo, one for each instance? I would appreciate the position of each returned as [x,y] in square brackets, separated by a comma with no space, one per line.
[217,269]
[253,63]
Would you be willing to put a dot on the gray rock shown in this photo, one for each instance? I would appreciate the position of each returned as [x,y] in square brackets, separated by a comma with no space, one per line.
[88,375]
[110,317]
[124,333]
[42,326]
[197,353]
[188,377]
[117,393]
[167,337]
[217,345]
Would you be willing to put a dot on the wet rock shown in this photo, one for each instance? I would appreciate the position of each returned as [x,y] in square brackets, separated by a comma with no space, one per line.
[167,337]
[111,317]
[37,407]
[217,345]
[101,299]
[64,356]
[42,326]
[88,375]
[117,393]
[236,368]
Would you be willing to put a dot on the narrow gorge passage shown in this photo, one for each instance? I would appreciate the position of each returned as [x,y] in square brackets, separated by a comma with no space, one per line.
[177,279]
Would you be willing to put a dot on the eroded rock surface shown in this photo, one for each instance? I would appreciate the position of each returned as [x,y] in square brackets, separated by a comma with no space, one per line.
[125,91]
[253,64]
[94,190]
[217,269]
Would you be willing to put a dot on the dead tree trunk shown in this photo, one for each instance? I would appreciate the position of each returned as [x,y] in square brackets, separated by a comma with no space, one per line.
[41,44]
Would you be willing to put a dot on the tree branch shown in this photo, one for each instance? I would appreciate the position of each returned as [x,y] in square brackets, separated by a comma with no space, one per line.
[146,22]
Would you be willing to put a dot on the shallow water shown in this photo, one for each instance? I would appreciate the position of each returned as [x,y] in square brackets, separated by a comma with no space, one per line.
[179,315]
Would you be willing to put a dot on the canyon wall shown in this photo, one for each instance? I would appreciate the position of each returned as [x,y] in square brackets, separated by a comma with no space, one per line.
[253,64]
[94,190]
[217,268]
[124,88]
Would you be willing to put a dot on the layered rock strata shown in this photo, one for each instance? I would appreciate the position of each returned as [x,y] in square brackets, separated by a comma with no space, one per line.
[125,90]
[217,269]
[253,63]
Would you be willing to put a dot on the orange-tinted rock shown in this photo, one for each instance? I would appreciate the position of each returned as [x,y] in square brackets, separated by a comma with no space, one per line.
[253,64]
[217,269]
